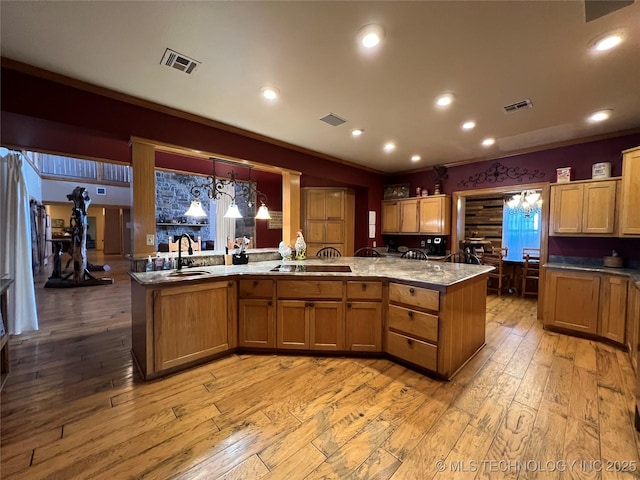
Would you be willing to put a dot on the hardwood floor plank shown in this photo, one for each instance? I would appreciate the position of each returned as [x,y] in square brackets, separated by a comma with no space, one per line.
[533,384]
[586,354]
[581,447]
[380,465]
[609,375]
[300,465]
[506,349]
[474,394]
[252,468]
[558,388]
[583,404]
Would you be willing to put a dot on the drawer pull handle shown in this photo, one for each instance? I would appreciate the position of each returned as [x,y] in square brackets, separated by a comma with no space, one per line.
[412,291]
[364,286]
[410,315]
[409,342]
[255,283]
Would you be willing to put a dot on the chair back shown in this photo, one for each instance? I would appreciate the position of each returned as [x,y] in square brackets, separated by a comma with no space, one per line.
[328,252]
[462,257]
[366,252]
[415,255]
[530,271]
[532,254]
[495,258]
[196,245]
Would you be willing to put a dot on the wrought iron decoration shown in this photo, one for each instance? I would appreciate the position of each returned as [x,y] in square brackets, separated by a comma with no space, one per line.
[498,173]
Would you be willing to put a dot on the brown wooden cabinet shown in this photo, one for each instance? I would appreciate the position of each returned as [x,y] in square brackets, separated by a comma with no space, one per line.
[586,302]
[428,215]
[412,330]
[630,193]
[256,313]
[310,315]
[435,215]
[633,324]
[328,219]
[584,208]
[193,322]
[363,319]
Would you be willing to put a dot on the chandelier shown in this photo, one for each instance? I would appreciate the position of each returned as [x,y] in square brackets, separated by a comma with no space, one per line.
[526,202]
[216,187]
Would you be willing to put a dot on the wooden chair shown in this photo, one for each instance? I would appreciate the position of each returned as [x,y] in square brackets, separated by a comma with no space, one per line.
[415,255]
[366,252]
[196,245]
[530,271]
[234,243]
[328,252]
[498,278]
[462,257]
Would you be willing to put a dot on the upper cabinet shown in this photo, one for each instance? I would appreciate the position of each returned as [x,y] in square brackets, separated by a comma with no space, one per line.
[425,215]
[584,208]
[328,219]
[629,211]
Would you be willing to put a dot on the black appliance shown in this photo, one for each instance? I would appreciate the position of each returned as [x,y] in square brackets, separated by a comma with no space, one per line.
[436,246]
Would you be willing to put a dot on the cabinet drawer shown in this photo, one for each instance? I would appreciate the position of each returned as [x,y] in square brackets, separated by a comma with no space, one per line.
[414,323]
[306,289]
[364,290]
[414,296]
[256,288]
[412,350]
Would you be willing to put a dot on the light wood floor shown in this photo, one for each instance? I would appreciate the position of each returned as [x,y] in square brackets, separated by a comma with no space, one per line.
[73,407]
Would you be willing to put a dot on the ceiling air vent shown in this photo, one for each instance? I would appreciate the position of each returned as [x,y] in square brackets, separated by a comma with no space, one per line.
[333,119]
[526,103]
[179,61]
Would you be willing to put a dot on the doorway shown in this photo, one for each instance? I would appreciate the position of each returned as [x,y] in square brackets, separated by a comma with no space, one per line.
[112,231]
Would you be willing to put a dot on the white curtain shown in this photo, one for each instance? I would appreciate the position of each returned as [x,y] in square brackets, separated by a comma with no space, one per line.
[16,245]
[225,227]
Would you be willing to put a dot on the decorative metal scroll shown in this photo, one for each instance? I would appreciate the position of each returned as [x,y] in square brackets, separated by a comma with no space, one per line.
[498,173]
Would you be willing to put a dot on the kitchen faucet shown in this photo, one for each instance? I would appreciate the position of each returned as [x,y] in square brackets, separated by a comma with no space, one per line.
[190,250]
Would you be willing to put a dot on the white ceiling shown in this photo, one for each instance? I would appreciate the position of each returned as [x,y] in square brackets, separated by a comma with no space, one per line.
[489,54]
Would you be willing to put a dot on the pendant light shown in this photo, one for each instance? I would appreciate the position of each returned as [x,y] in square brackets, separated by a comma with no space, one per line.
[233,211]
[195,210]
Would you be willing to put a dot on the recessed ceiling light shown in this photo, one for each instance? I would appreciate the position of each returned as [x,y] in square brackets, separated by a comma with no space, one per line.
[370,36]
[600,116]
[470,125]
[389,147]
[487,142]
[356,132]
[270,93]
[416,158]
[608,42]
[445,100]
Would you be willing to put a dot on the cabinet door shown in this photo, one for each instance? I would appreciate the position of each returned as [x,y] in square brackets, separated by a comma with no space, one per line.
[334,231]
[191,323]
[315,231]
[315,204]
[293,325]
[257,323]
[326,325]
[630,215]
[566,208]
[571,300]
[364,326]
[334,204]
[435,214]
[599,207]
[390,217]
[633,324]
[613,308]
[409,220]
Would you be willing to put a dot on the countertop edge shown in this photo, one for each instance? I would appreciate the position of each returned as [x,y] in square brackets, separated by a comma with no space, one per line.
[632,274]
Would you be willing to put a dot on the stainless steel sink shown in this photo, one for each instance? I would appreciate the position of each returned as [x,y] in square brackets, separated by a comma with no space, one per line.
[187,273]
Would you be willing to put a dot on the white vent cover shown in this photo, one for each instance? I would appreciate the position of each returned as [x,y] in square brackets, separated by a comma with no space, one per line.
[101,190]
[526,103]
[179,61]
[333,119]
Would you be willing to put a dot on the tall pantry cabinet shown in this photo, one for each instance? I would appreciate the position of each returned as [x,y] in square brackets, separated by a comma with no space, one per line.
[328,217]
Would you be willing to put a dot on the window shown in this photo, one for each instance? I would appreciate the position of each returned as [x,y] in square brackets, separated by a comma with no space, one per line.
[520,229]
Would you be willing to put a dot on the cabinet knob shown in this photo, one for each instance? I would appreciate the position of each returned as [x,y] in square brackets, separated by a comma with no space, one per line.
[364,286]
[269,303]
[230,284]
[348,305]
[255,283]
[409,342]
[410,315]
[412,291]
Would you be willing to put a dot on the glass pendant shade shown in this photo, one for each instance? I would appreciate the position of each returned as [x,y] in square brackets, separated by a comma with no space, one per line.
[233,212]
[263,213]
[195,210]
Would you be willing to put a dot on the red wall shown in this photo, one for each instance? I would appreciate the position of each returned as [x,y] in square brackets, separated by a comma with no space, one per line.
[544,163]
[43,115]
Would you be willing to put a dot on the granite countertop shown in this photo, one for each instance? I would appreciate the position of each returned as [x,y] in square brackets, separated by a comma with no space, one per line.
[631,273]
[436,275]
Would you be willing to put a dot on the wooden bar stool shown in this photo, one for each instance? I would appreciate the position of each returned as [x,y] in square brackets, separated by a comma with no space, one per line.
[530,271]
[497,278]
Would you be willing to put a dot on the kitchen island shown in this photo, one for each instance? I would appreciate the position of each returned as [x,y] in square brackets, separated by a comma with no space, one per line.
[429,315]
